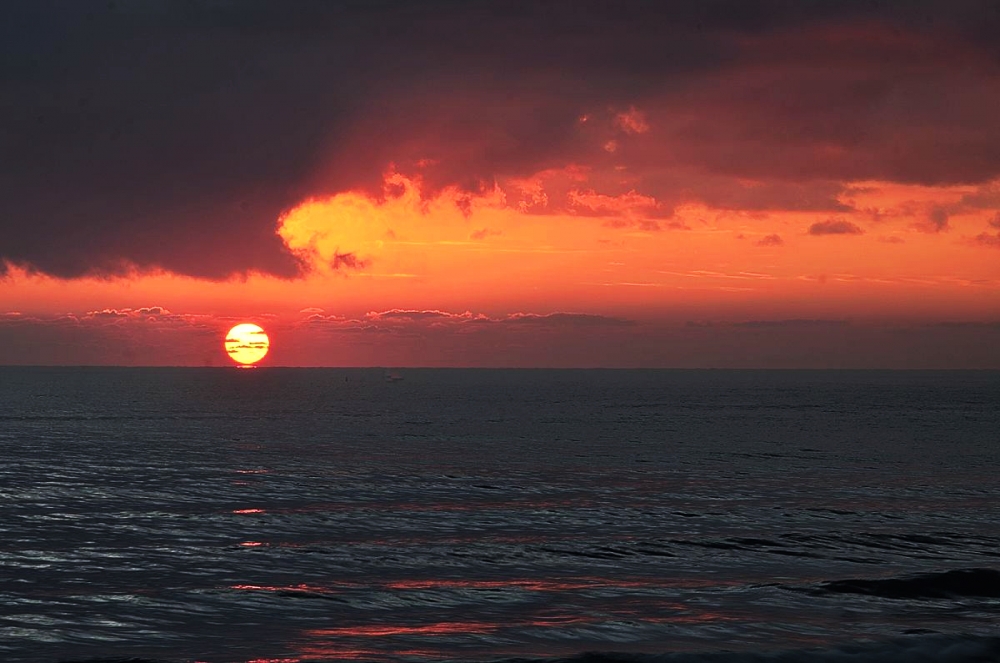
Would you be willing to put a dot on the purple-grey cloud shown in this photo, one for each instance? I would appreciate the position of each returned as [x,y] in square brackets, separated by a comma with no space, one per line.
[516,319]
[77,339]
[559,319]
[835,227]
[416,314]
[937,220]
[990,240]
[791,323]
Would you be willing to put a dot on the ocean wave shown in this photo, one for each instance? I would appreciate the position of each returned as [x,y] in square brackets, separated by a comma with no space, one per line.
[915,649]
[928,649]
[957,583]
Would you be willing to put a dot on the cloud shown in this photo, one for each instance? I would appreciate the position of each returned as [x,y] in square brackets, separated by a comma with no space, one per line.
[148,335]
[320,318]
[483,233]
[414,314]
[771,240]
[234,348]
[835,227]
[966,324]
[937,221]
[129,313]
[415,318]
[566,319]
[183,157]
[519,339]
[348,261]
[987,239]
[984,197]
[107,313]
[631,205]
[792,323]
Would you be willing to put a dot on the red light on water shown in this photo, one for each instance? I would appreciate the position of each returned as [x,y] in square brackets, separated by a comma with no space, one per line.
[376,631]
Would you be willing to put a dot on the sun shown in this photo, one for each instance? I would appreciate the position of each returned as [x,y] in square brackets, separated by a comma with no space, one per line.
[247,344]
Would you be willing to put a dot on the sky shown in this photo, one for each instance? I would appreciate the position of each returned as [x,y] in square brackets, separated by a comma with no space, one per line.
[711,184]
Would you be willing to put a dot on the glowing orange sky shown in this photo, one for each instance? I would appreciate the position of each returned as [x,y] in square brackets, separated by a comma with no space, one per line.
[411,252]
[648,188]
[483,256]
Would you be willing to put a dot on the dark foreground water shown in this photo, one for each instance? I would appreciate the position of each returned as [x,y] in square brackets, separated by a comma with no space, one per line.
[294,515]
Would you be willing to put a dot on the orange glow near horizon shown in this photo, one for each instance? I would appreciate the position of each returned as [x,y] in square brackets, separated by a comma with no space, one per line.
[456,251]
[513,250]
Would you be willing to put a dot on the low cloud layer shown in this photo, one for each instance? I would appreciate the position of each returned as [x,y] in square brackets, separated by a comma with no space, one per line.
[140,336]
[556,319]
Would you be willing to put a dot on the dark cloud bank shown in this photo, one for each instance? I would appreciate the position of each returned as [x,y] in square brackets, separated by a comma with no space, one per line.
[171,135]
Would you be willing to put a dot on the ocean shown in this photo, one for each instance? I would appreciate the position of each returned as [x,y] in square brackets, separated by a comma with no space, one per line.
[289,515]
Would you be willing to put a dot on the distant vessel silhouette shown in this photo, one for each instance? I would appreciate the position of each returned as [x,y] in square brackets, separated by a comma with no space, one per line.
[392,376]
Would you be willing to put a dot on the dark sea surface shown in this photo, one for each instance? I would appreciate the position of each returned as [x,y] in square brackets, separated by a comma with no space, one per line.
[286,515]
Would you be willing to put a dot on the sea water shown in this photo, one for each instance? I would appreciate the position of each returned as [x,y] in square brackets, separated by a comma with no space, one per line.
[287,515]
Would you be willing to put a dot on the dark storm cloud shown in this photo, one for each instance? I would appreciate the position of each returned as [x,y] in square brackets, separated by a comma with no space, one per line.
[160,134]
[771,240]
[835,227]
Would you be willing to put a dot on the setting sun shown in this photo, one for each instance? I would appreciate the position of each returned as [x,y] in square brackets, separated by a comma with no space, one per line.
[247,344]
